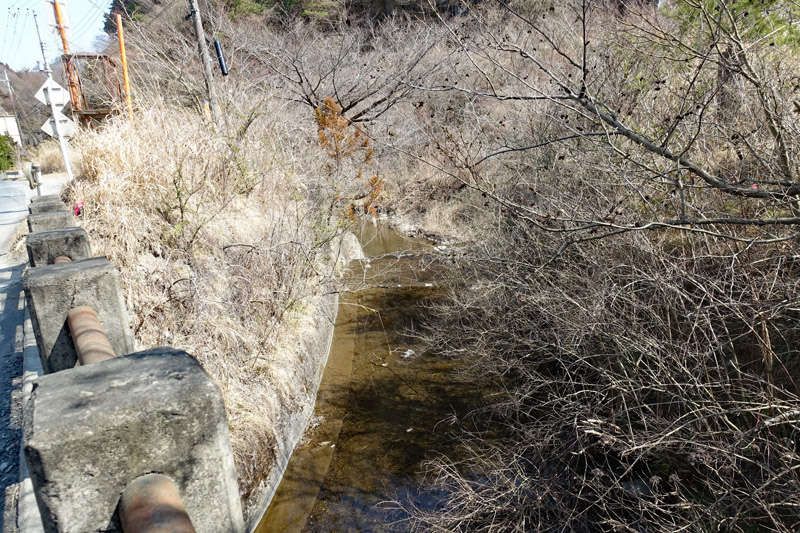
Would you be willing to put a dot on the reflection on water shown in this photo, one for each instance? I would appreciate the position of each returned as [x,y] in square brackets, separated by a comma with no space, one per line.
[381,404]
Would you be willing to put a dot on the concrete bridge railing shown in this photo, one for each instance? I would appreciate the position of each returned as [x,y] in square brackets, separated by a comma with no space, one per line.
[101,440]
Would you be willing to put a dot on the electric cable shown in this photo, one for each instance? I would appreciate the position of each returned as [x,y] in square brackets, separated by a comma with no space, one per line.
[22,32]
[86,24]
[14,32]
[5,34]
[80,26]
[13,6]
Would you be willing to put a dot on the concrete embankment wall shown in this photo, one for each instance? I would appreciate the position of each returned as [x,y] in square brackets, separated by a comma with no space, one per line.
[316,347]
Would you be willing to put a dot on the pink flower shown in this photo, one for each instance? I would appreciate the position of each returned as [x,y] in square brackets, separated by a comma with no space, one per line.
[755,187]
[78,210]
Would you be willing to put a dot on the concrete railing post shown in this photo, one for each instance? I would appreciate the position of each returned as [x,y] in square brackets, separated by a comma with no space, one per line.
[94,434]
[45,198]
[50,220]
[45,246]
[36,178]
[52,291]
[47,206]
[91,430]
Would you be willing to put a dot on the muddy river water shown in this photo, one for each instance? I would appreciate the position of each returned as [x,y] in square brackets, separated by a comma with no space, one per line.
[384,403]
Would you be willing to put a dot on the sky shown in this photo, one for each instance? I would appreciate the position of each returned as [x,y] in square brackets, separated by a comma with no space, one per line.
[19,45]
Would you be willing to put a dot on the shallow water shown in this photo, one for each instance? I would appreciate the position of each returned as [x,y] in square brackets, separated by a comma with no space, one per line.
[383,404]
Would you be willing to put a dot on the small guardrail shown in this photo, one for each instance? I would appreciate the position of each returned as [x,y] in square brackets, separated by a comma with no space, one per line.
[115,439]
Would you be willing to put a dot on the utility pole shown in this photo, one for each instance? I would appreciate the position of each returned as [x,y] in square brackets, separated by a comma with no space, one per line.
[61,140]
[68,67]
[41,44]
[13,106]
[206,59]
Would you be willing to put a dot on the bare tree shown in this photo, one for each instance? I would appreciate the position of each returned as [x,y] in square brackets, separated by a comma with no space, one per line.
[645,380]
[643,96]
[365,70]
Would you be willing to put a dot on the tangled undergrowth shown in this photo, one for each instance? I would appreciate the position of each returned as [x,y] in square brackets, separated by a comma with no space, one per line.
[642,390]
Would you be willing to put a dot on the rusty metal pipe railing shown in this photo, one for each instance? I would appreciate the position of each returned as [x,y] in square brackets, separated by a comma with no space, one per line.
[90,340]
[152,504]
[88,336]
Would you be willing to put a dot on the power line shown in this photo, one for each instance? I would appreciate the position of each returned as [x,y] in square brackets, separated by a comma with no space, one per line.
[87,19]
[81,22]
[22,32]
[85,24]
[11,16]
[97,7]
[14,33]
[5,33]
[13,6]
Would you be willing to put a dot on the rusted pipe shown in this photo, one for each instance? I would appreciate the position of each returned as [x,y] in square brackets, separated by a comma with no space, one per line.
[152,504]
[62,259]
[90,340]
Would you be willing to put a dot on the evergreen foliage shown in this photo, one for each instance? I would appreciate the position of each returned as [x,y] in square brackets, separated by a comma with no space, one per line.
[775,20]
[7,152]
[133,9]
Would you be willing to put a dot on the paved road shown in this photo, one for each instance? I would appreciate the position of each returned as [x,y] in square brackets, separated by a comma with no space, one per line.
[14,198]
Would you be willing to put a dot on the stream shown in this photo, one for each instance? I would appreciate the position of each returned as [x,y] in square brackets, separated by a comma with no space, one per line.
[384,401]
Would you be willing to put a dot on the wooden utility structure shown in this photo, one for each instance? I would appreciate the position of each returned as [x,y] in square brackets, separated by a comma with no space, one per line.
[205,58]
[72,77]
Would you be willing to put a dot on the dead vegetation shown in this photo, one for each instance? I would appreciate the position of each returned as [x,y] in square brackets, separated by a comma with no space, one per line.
[221,253]
[636,390]
[628,187]
[631,290]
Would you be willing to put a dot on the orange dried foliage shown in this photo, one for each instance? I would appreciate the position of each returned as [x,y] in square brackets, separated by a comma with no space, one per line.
[343,141]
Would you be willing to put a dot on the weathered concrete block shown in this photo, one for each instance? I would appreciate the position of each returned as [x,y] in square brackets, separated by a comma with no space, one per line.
[46,207]
[45,198]
[50,220]
[91,430]
[51,291]
[348,249]
[44,246]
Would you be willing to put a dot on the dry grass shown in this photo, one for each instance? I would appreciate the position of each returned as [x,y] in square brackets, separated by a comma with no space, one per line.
[221,254]
[222,238]
[48,156]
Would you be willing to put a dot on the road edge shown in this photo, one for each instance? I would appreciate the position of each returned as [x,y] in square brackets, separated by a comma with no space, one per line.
[28,519]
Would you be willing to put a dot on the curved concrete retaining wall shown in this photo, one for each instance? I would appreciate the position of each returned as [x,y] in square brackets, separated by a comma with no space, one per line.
[317,346]
[89,431]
